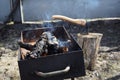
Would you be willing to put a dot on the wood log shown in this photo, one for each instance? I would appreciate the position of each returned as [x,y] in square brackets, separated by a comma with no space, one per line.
[90,45]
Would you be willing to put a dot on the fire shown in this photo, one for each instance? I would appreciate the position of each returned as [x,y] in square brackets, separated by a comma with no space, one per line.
[47,44]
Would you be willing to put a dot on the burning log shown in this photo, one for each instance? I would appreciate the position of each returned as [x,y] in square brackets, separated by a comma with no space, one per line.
[47,44]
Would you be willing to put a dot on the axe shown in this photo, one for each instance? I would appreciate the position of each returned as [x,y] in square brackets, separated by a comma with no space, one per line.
[81,22]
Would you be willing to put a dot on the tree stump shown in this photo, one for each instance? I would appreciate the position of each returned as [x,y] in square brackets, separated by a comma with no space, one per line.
[90,45]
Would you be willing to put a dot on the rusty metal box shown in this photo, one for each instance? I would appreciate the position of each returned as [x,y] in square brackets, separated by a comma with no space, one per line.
[61,66]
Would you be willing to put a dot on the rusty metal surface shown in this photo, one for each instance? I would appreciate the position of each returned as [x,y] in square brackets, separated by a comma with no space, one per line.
[33,35]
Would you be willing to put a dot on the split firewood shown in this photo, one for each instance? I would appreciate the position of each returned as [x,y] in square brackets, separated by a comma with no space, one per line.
[81,22]
[90,44]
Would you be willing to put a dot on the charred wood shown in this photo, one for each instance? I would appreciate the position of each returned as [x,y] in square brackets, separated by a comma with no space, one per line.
[47,44]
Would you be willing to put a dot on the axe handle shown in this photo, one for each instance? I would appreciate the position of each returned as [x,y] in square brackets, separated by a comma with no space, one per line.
[81,22]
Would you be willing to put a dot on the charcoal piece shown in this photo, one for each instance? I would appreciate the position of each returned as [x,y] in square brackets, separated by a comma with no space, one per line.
[52,49]
[26,46]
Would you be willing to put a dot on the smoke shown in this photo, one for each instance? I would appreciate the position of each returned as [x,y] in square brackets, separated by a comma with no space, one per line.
[64,43]
[47,17]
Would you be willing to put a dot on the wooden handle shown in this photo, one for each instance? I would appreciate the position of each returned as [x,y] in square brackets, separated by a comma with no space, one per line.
[81,22]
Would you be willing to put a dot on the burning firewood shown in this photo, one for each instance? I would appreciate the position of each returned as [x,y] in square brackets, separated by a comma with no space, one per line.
[47,44]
